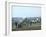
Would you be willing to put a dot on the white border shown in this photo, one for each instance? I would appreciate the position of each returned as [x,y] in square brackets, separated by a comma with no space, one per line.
[9,28]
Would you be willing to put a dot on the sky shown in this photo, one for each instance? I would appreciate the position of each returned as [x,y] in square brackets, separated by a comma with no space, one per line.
[18,11]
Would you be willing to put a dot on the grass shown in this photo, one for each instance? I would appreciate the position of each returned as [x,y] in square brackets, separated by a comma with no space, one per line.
[36,26]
